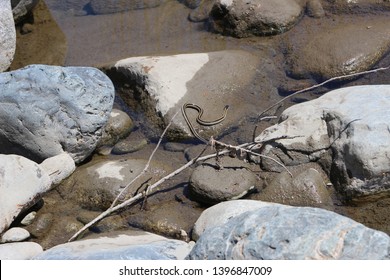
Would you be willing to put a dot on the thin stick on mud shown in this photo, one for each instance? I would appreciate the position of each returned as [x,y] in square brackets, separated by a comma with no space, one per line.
[147,164]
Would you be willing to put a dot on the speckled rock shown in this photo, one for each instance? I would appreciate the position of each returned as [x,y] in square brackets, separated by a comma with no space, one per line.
[279,232]
[121,246]
[227,179]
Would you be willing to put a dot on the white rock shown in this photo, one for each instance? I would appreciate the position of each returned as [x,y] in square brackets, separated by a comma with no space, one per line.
[167,87]
[59,167]
[138,245]
[354,122]
[15,234]
[19,250]
[7,35]
[21,182]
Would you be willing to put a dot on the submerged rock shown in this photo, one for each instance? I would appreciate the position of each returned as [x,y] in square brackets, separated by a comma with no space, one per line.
[341,50]
[109,7]
[278,232]
[20,8]
[46,110]
[95,185]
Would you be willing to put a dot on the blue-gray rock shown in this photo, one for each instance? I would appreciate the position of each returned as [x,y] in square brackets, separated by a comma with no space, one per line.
[20,8]
[139,246]
[7,35]
[279,232]
[46,110]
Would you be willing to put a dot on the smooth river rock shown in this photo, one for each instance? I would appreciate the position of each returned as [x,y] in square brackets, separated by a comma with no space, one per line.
[22,181]
[225,179]
[15,234]
[46,110]
[279,232]
[122,246]
[19,250]
[158,86]
[240,18]
[7,35]
[358,139]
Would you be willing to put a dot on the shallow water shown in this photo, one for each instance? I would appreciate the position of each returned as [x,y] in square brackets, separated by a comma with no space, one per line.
[98,39]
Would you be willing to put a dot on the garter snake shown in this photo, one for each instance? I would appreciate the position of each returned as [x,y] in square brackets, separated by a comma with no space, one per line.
[200,120]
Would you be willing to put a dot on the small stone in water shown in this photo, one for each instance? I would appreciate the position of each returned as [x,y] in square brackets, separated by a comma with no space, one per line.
[28,219]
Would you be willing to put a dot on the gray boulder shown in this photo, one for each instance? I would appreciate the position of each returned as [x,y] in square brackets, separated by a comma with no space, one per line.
[225,179]
[121,246]
[358,140]
[7,35]
[240,18]
[278,232]
[21,184]
[20,8]
[46,110]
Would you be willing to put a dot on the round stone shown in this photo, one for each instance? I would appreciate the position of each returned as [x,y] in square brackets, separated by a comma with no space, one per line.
[220,180]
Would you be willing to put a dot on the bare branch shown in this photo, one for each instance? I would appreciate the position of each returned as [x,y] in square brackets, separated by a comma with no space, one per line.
[147,164]
[323,83]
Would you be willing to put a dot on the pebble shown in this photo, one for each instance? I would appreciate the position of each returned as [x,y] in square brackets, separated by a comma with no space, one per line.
[29,218]
[15,234]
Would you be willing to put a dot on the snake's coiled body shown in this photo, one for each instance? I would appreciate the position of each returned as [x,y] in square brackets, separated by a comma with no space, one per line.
[200,120]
